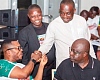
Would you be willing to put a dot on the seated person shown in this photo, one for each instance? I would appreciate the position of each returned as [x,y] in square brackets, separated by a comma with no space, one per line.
[92,19]
[93,23]
[11,69]
[84,14]
[80,65]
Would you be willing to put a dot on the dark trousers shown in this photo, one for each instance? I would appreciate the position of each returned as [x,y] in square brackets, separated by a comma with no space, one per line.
[47,72]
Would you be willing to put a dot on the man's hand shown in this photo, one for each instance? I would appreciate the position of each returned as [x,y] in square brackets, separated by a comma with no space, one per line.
[44,60]
[93,37]
[36,56]
[37,52]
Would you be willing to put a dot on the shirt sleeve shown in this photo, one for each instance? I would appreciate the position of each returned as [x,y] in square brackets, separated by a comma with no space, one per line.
[49,40]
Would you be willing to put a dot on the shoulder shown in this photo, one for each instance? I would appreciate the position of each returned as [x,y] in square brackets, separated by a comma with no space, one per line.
[6,66]
[55,23]
[46,24]
[63,69]
[8,63]
[97,62]
[78,18]
[56,20]
[79,21]
[65,63]
[96,18]
[20,65]
[26,29]
[3,61]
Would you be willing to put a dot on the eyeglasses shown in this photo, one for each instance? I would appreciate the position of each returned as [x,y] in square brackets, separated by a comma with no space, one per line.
[77,52]
[74,51]
[19,48]
[65,13]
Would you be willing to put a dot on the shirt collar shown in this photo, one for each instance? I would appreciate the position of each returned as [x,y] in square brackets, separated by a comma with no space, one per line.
[90,64]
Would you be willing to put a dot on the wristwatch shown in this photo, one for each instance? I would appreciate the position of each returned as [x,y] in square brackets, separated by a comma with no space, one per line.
[33,60]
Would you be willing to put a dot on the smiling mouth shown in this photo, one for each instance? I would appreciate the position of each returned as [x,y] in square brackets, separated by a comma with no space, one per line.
[66,20]
[37,21]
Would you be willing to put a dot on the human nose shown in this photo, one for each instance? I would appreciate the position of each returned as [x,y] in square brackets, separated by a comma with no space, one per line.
[37,17]
[71,53]
[65,15]
[21,49]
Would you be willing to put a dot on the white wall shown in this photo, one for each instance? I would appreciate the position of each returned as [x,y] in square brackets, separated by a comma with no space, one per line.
[53,7]
[4,4]
[87,4]
[8,4]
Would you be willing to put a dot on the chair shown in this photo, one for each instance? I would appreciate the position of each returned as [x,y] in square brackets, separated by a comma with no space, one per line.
[53,72]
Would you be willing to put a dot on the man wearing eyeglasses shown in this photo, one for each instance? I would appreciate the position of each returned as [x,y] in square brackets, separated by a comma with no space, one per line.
[9,68]
[80,65]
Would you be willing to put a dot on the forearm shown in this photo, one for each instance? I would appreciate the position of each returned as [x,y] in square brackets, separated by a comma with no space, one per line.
[48,42]
[39,73]
[28,68]
[22,73]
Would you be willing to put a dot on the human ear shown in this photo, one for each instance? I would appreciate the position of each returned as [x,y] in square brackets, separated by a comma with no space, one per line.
[74,10]
[85,54]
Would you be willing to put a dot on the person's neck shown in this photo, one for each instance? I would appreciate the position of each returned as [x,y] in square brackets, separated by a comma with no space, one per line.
[37,26]
[9,59]
[84,63]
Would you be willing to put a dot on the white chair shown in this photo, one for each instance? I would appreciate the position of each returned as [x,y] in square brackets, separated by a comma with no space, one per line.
[53,72]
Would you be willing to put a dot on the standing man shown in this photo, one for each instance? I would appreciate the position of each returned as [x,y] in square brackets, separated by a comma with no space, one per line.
[32,36]
[64,30]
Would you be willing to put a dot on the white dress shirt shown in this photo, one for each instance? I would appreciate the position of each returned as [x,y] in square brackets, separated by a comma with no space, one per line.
[63,35]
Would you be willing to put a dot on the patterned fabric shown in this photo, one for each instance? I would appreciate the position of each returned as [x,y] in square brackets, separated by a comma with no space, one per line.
[6,67]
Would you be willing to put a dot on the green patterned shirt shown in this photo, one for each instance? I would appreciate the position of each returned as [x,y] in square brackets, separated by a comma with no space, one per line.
[6,67]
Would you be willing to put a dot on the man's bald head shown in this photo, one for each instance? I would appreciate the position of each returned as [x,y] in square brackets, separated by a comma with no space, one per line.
[80,51]
[82,44]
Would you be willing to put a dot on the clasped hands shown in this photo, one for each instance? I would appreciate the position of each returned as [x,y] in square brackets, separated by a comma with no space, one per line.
[39,57]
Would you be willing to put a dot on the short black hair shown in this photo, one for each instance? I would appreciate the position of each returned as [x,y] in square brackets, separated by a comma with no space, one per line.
[7,41]
[33,6]
[68,2]
[96,9]
[85,12]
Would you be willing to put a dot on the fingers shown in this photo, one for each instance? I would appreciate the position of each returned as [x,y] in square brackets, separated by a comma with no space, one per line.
[39,60]
[44,59]
[38,52]
[36,57]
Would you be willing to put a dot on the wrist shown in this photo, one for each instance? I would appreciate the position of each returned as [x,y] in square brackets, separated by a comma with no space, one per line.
[34,61]
[42,65]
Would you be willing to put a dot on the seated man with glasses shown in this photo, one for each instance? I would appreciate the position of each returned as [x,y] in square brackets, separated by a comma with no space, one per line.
[80,65]
[9,68]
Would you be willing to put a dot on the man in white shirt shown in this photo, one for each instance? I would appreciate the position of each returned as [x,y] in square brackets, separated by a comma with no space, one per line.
[64,30]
